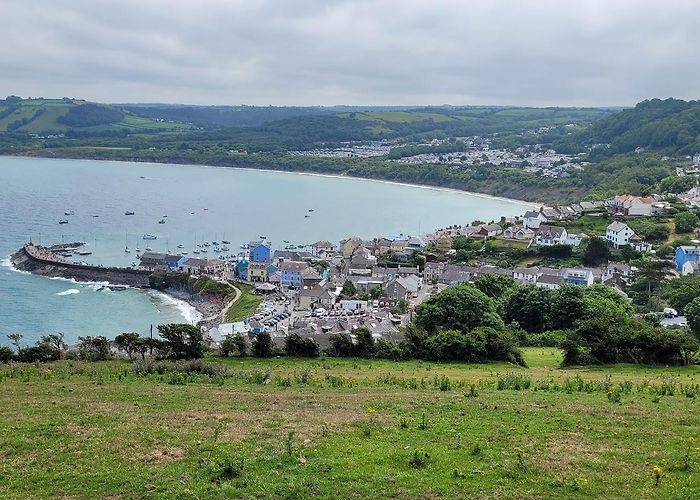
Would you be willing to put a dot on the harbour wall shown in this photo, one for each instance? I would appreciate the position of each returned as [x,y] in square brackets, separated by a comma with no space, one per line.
[41,261]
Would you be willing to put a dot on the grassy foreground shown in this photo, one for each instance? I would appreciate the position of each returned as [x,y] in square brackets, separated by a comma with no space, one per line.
[290,428]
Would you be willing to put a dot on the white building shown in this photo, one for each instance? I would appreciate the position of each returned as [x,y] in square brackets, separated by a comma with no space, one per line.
[618,234]
[533,219]
[547,236]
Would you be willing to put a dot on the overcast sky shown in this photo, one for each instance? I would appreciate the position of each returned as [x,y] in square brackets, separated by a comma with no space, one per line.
[309,52]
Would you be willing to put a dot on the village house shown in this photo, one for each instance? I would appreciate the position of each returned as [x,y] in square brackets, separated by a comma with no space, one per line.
[443,243]
[402,287]
[618,234]
[291,273]
[547,236]
[686,256]
[193,265]
[260,251]
[490,230]
[532,219]
[630,205]
[151,260]
[549,281]
[518,233]
[314,297]
[322,248]
[258,271]
[348,246]
[578,277]
[432,271]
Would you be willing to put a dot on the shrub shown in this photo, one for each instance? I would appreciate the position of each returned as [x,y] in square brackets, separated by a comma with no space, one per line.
[6,354]
[263,346]
[234,344]
[341,345]
[296,345]
[418,459]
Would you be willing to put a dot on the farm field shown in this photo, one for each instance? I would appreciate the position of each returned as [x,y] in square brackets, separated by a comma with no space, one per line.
[345,428]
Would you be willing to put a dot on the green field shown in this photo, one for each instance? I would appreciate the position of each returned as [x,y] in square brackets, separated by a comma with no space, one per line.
[245,306]
[291,428]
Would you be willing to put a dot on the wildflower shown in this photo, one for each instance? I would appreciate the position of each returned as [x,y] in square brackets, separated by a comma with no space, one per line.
[657,470]
[691,439]
[371,410]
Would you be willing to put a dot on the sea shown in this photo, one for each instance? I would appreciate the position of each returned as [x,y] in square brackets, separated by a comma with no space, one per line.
[197,203]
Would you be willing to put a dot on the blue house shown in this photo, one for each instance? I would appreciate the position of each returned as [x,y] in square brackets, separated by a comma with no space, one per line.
[242,269]
[260,251]
[172,261]
[291,273]
[686,254]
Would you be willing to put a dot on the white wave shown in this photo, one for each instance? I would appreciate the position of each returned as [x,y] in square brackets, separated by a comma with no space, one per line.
[70,291]
[6,262]
[96,284]
[188,312]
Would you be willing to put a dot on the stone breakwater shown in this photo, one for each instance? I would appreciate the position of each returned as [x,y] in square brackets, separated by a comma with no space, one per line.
[45,262]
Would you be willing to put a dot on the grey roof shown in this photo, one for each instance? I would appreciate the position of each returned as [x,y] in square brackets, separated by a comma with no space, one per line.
[550,231]
[550,280]
[617,226]
[291,266]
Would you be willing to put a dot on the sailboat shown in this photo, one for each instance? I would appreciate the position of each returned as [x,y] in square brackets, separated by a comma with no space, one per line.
[126,244]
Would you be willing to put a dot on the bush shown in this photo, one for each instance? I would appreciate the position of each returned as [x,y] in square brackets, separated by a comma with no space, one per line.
[263,347]
[341,346]
[94,348]
[296,345]
[234,344]
[386,349]
[6,354]
[182,341]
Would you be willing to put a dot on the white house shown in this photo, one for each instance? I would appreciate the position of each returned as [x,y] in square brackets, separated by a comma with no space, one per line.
[549,281]
[618,234]
[518,233]
[632,205]
[547,236]
[533,219]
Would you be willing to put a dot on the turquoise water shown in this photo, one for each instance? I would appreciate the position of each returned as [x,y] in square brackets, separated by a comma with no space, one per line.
[232,204]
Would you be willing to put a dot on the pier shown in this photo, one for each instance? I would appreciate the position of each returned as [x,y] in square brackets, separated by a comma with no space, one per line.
[45,261]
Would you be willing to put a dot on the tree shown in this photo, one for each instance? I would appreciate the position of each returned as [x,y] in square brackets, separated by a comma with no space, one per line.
[6,354]
[16,340]
[495,286]
[128,342]
[341,345]
[56,341]
[686,222]
[681,291]
[296,345]
[648,279]
[234,344]
[375,292]
[364,342]
[461,307]
[263,347]
[348,289]
[568,306]
[182,341]
[94,348]
[597,252]
[692,314]
[530,307]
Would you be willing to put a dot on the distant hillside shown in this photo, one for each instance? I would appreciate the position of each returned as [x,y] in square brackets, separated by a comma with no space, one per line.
[73,117]
[669,125]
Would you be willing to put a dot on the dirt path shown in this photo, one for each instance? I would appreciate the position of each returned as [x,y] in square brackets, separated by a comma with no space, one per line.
[221,315]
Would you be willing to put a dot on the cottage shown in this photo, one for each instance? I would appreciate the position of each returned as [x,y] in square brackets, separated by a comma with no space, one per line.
[549,281]
[314,297]
[518,233]
[631,205]
[291,273]
[550,235]
[260,251]
[532,219]
[618,234]
[685,255]
[322,248]
[490,230]
[348,246]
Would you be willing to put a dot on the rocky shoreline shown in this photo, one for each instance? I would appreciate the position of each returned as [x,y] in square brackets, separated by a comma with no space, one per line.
[46,261]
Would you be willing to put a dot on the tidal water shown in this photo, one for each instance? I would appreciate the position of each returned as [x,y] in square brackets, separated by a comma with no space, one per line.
[198,204]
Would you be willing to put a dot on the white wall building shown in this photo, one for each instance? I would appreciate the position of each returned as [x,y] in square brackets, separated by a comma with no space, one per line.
[618,234]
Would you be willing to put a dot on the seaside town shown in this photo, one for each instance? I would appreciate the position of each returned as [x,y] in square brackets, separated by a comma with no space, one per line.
[326,287]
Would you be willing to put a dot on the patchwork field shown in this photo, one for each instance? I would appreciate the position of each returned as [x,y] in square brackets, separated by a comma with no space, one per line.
[343,428]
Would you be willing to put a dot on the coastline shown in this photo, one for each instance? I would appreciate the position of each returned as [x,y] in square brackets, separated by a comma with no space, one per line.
[192,311]
[530,204]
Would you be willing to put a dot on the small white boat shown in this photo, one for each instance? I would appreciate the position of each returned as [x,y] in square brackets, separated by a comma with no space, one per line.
[162,221]
[149,249]
[129,212]
[63,221]
[126,250]
[150,237]
[69,212]
[181,246]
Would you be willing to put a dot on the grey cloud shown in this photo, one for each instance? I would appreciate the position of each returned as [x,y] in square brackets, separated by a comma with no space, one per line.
[547,52]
